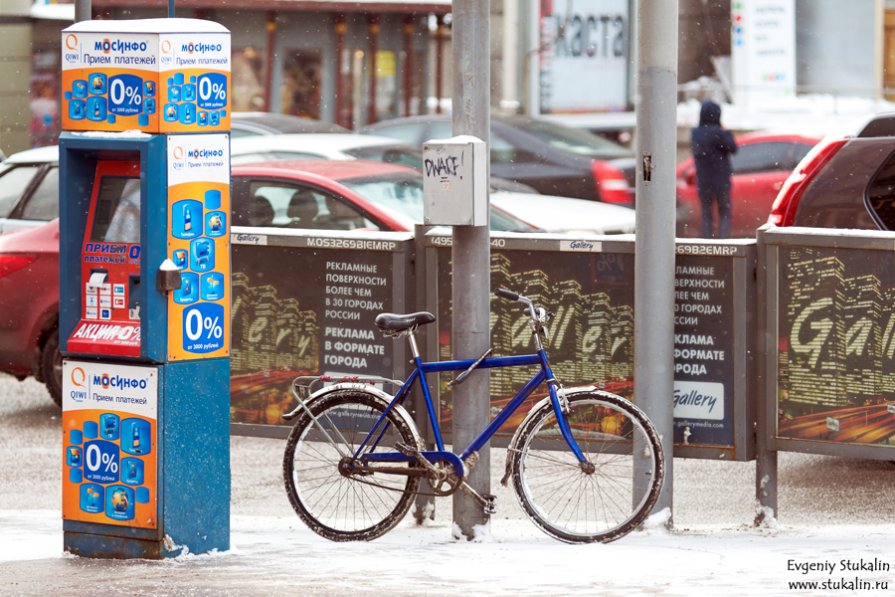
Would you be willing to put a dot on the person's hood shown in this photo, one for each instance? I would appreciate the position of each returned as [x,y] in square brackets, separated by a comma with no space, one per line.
[710,113]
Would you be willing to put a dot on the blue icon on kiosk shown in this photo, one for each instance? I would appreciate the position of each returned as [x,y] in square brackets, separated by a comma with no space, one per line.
[180,258]
[132,471]
[96,84]
[77,110]
[96,108]
[79,88]
[187,219]
[189,289]
[108,426]
[135,437]
[202,255]
[120,502]
[215,223]
[92,498]
[213,286]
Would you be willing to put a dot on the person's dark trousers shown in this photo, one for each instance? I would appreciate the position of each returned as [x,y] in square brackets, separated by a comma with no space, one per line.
[721,196]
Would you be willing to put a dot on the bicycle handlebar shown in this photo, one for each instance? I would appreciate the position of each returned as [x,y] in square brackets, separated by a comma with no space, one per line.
[507,294]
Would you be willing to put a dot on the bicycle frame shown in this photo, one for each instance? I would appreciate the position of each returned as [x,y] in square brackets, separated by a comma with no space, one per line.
[421,369]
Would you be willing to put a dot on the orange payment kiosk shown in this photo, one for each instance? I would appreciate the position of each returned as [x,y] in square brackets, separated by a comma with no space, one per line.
[145,288]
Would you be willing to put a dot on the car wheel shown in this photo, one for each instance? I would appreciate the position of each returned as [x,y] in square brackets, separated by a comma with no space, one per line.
[51,366]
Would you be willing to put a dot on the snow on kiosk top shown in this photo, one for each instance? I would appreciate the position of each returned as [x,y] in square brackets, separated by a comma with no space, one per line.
[152,75]
[175,25]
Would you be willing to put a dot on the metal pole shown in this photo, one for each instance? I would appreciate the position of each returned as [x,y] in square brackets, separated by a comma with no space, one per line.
[656,41]
[471,253]
[170,9]
[83,10]
[766,407]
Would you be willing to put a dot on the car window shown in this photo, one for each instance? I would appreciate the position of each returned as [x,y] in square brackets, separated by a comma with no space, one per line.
[881,194]
[264,156]
[764,157]
[43,204]
[402,193]
[573,140]
[389,154]
[408,133]
[502,151]
[288,205]
[836,196]
[13,183]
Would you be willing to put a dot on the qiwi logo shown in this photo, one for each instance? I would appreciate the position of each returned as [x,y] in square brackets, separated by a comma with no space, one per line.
[72,52]
[177,153]
[166,46]
[78,378]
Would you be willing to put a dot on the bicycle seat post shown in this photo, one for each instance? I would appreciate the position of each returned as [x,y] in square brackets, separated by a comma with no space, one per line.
[411,337]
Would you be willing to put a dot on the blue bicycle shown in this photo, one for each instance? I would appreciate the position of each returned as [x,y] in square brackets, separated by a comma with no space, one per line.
[585,464]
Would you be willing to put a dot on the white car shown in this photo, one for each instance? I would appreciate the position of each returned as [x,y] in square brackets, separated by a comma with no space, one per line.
[29,188]
[566,214]
[324,146]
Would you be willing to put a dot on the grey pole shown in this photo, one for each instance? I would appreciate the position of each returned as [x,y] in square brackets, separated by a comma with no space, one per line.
[83,10]
[657,32]
[471,253]
[766,407]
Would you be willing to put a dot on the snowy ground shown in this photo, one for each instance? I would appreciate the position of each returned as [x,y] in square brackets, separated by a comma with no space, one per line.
[834,516]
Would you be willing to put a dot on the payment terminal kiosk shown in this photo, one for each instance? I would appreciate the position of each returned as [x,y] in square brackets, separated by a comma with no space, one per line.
[144,313]
[110,263]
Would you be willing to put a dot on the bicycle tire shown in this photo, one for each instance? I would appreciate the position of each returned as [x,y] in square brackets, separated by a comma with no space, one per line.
[346,507]
[563,499]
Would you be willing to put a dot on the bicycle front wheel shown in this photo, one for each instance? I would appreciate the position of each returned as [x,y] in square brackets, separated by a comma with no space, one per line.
[334,494]
[607,496]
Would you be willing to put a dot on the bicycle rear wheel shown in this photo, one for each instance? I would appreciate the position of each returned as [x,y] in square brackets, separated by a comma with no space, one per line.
[582,504]
[330,491]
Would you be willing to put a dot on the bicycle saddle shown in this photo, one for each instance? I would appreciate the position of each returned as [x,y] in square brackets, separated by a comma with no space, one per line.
[394,323]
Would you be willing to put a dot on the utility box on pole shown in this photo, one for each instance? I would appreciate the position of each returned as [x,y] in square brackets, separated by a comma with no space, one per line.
[455,187]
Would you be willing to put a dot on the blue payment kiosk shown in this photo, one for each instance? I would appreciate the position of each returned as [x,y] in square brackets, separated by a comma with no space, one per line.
[145,293]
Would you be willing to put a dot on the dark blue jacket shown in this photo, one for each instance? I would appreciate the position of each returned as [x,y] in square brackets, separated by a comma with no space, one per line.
[711,146]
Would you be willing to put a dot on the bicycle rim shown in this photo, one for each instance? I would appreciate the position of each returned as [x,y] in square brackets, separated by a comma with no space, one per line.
[580,506]
[346,507]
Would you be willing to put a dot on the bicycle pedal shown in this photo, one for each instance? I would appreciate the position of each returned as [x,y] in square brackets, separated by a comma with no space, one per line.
[490,504]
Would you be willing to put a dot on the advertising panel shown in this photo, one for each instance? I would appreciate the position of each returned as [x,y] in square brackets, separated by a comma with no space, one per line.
[110,444]
[146,75]
[583,55]
[199,245]
[763,50]
[307,312]
[836,347]
[591,338]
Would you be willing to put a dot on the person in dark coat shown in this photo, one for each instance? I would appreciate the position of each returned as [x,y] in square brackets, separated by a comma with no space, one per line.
[711,146]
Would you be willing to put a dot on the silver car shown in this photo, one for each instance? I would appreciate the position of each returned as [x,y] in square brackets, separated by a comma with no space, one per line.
[29,188]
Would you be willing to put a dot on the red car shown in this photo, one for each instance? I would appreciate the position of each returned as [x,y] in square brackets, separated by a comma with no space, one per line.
[760,165]
[337,195]
[323,195]
[844,182]
[29,302]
